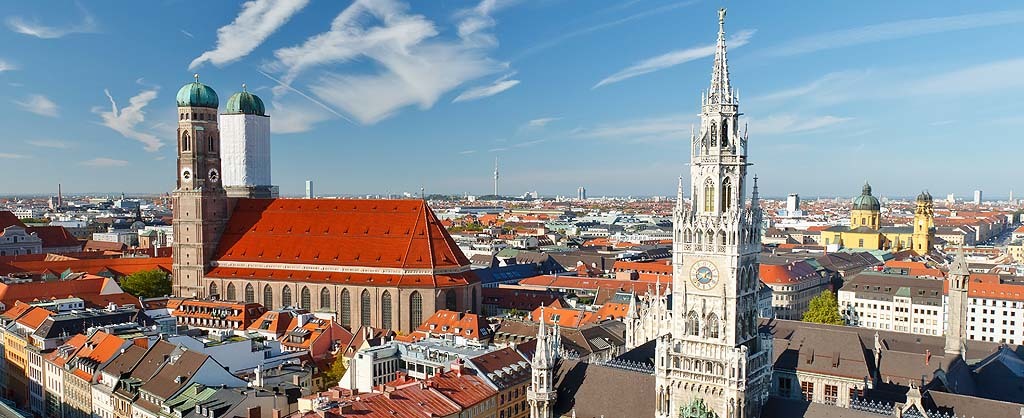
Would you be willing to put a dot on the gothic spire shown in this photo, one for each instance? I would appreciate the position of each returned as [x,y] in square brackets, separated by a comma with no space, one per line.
[753,194]
[721,91]
[959,266]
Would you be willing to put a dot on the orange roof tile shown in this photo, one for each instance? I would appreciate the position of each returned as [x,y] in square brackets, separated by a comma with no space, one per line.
[409,280]
[788,273]
[34,317]
[468,325]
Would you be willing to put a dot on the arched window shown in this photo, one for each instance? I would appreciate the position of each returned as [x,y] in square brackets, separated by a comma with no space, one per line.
[325,299]
[709,195]
[385,310]
[250,294]
[711,328]
[268,297]
[231,292]
[725,134]
[346,309]
[304,299]
[364,308]
[726,194]
[693,323]
[450,301]
[210,141]
[700,237]
[286,297]
[415,310]
[721,237]
[185,142]
[213,290]
[714,135]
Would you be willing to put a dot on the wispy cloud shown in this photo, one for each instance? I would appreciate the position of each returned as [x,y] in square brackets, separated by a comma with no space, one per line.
[480,92]
[659,128]
[10,156]
[673,58]
[992,76]
[126,121]
[34,28]
[6,66]
[497,149]
[257,21]
[416,65]
[295,117]
[791,124]
[187,33]
[104,162]
[541,122]
[38,104]
[894,30]
[525,144]
[467,152]
[49,143]
[833,86]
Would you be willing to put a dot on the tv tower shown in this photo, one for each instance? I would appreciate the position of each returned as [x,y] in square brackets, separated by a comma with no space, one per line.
[495,176]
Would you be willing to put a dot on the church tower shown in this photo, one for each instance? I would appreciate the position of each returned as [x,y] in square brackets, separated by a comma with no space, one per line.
[956,333]
[245,142]
[924,224]
[715,360]
[541,394]
[200,204]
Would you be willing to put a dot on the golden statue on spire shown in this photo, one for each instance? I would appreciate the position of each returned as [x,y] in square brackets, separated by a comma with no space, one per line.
[721,16]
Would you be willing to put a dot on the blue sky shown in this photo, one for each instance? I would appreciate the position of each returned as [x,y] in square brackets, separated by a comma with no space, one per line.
[388,96]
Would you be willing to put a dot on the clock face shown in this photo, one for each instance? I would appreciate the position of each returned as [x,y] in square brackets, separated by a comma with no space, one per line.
[213,175]
[705,275]
[186,175]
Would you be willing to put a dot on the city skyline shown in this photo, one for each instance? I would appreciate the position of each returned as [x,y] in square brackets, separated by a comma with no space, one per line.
[562,101]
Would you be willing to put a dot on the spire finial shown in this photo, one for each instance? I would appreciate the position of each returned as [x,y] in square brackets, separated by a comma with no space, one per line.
[720,91]
[243,88]
[196,75]
[721,19]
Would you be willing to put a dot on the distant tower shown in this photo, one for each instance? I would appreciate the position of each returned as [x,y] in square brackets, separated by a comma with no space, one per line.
[956,333]
[245,147]
[541,394]
[977,197]
[309,189]
[792,204]
[495,176]
[200,203]
[1010,200]
[581,193]
[866,210]
[924,224]
[60,197]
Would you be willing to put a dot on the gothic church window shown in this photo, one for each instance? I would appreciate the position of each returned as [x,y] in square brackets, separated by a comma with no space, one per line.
[286,297]
[185,141]
[364,308]
[711,329]
[725,134]
[325,298]
[449,301]
[415,309]
[346,309]
[693,324]
[714,135]
[709,195]
[385,309]
[250,294]
[726,194]
[213,289]
[304,299]
[268,297]
[231,292]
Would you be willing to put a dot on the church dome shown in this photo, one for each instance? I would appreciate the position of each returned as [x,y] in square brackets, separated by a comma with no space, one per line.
[196,94]
[924,197]
[866,201]
[245,103]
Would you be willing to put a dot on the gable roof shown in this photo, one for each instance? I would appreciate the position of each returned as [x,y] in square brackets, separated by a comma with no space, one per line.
[54,236]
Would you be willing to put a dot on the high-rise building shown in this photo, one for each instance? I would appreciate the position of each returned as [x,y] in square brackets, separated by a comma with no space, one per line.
[309,189]
[200,203]
[977,197]
[495,176]
[245,147]
[581,193]
[716,244]
[793,204]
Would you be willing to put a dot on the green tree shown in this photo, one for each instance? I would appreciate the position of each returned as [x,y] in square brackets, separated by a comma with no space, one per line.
[147,283]
[337,371]
[824,309]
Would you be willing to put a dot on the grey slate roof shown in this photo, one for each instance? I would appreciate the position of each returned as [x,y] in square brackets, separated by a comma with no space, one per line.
[595,391]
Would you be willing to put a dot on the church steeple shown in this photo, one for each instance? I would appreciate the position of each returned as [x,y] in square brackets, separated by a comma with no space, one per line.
[956,337]
[721,91]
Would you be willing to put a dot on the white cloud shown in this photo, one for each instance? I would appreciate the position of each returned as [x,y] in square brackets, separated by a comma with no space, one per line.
[895,30]
[187,33]
[6,66]
[673,58]
[541,122]
[833,86]
[525,144]
[467,152]
[670,127]
[104,162]
[10,156]
[489,90]
[790,124]
[415,64]
[22,26]
[125,121]
[294,118]
[47,143]
[38,104]
[992,76]
[257,21]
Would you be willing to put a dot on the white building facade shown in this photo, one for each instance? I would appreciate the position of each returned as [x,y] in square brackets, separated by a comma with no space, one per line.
[893,302]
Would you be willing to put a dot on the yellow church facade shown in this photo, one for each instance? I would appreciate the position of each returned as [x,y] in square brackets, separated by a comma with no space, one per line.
[866,231]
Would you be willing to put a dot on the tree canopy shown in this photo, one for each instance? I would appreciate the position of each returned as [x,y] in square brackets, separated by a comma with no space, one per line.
[147,284]
[337,371]
[824,309]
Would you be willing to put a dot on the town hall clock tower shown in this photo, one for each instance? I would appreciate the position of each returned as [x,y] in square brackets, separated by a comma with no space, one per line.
[200,202]
[714,363]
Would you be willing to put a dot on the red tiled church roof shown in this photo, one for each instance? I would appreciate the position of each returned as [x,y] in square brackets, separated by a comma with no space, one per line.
[54,236]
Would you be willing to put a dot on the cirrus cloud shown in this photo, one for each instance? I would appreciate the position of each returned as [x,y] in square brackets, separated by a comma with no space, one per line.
[258,20]
[126,120]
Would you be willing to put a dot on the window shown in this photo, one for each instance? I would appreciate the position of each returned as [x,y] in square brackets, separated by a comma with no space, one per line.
[709,195]
[415,309]
[785,386]
[346,309]
[213,290]
[250,294]
[714,135]
[364,308]
[831,394]
[725,134]
[304,299]
[268,297]
[210,140]
[286,297]
[385,310]
[325,298]
[693,324]
[711,328]
[726,192]
[185,142]
[807,390]
[860,242]
[449,301]
[856,393]
[231,292]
